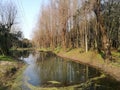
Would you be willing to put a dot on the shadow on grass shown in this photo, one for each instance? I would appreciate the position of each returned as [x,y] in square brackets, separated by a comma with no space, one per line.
[102,54]
[3,88]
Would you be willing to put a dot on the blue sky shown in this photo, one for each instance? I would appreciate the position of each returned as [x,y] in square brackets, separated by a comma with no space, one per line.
[28,12]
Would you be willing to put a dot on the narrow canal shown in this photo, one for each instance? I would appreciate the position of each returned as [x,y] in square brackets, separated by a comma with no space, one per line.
[47,71]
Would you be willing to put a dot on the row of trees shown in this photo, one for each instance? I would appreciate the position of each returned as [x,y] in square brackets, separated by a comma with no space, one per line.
[87,24]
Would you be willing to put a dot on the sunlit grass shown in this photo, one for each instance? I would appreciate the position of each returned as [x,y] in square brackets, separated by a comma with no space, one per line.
[43,49]
[77,53]
[6,58]
[22,49]
[80,54]
[116,56]
[16,85]
[8,68]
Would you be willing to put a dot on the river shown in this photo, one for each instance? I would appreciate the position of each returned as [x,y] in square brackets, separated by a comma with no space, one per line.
[45,70]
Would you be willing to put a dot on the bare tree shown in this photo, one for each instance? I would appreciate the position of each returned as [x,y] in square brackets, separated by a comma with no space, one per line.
[8,14]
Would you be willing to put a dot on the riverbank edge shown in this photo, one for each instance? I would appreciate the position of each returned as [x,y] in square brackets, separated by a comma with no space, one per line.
[18,81]
[92,59]
[106,68]
[9,69]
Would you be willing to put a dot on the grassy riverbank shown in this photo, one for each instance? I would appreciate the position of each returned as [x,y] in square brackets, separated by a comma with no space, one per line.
[22,49]
[6,58]
[92,58]
[8,69]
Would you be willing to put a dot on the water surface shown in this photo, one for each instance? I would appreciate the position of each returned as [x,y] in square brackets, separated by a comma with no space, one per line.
[45,69]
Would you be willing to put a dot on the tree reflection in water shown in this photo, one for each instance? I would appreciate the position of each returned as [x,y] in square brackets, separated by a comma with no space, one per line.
[47,70]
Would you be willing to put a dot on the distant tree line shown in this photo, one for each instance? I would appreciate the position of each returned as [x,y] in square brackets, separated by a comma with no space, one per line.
[25,43]
[87,24]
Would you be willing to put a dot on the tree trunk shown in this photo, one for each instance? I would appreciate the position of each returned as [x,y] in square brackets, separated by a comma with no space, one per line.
[105,43]
[64,38]
[105,40]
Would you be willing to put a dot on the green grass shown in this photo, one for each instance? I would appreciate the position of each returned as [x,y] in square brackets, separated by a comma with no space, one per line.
[44,49]
[21,49]
[57,50]
[77,52]
[17,80]
[8,68]
[116,56]
[80,53]
[6,58]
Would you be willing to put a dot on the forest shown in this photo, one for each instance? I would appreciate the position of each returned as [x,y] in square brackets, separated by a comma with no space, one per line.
[86,24]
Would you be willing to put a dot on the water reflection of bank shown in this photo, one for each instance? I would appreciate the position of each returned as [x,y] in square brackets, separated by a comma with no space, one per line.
[45,69]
